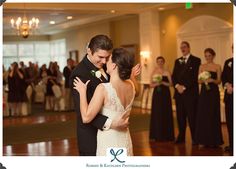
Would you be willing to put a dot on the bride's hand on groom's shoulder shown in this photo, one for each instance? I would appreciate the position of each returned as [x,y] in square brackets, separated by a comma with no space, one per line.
[79,85]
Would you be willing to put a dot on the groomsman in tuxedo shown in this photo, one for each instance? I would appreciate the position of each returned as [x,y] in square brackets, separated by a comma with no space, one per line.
[185,80]
[92,68]
[227,80]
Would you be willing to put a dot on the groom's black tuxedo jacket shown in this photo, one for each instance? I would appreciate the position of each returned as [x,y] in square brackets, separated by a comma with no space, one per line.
[227,76]
[87,133]
[187,75]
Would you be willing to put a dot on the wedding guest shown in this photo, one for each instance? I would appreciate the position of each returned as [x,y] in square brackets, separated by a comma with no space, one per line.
[23,67]
[59,78]
[51,80]
[161,125]
[30,74]
[31,77]
[227,81]
[185,80]
[208,124]
[68,96]
[43,73]
[4,76]
[17,88]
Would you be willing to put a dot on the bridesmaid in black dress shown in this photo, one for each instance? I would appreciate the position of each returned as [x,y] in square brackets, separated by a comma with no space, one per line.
[161,125]
[208,124]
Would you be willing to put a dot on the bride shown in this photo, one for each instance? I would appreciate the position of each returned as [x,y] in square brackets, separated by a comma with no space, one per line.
[113,98]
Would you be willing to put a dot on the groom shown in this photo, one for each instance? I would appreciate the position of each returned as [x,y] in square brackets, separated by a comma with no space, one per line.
[92,68]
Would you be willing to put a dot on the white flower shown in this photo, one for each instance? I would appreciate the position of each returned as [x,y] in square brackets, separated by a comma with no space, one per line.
[98,74]
[157,78]
[181,60]
[230,64]
[204,75]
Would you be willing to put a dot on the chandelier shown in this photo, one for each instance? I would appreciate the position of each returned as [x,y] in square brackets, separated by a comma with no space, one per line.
[23,26]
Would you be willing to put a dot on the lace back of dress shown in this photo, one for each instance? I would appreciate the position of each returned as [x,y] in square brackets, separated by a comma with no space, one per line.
[113,102]
[112,109]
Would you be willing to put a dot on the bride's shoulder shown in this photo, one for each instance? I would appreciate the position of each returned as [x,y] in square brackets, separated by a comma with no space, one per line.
[101,87]
[130,84]
[104,86]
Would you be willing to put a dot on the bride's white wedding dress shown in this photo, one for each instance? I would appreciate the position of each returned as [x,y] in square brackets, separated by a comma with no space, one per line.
[113,108]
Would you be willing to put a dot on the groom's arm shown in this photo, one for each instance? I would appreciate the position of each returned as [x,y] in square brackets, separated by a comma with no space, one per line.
[100,121]
[103,122]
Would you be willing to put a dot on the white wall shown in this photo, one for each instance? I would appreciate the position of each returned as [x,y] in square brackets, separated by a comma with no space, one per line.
[78,39]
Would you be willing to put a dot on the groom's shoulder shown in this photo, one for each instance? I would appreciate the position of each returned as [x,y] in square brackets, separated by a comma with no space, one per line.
[195,57]
[79,69]
[228,60]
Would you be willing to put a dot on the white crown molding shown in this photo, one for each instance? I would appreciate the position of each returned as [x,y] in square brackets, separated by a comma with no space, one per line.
[216,32]
[204,25]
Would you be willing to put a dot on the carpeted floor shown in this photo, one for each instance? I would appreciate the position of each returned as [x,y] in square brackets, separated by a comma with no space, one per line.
[58,130]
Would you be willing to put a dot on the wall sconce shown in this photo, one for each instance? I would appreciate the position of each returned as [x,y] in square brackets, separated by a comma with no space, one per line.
[145,55]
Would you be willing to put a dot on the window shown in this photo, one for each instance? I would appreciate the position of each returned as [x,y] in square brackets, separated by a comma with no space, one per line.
[26,50]
[58,52]
[10,50]
[40,52]
[9,54]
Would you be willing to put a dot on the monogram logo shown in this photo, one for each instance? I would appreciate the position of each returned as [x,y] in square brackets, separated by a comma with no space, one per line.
[116,154]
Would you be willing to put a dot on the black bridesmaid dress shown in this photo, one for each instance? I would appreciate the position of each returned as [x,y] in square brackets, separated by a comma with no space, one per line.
[17,89]
[208,124]
[161,124]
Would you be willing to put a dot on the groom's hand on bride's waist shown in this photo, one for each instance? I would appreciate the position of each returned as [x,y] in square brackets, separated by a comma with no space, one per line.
[122,122]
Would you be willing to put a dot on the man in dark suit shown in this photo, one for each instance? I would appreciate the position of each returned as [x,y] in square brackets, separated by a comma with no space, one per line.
[185,80]
[68,96]
[227,80]
[92,68]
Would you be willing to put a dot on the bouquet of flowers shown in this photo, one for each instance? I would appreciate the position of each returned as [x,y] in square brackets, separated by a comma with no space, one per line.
[157,79]
[205,75]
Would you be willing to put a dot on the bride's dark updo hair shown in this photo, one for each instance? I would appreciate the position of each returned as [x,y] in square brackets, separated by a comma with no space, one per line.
[124,61]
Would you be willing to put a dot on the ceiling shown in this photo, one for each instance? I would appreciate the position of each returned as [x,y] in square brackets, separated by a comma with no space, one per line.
[83,13]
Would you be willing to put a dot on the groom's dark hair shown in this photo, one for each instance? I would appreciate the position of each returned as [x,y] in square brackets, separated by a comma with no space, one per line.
[100,42]
[124,61]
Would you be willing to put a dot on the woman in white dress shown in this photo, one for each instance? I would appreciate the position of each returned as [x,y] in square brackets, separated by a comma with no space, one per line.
[113,98]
